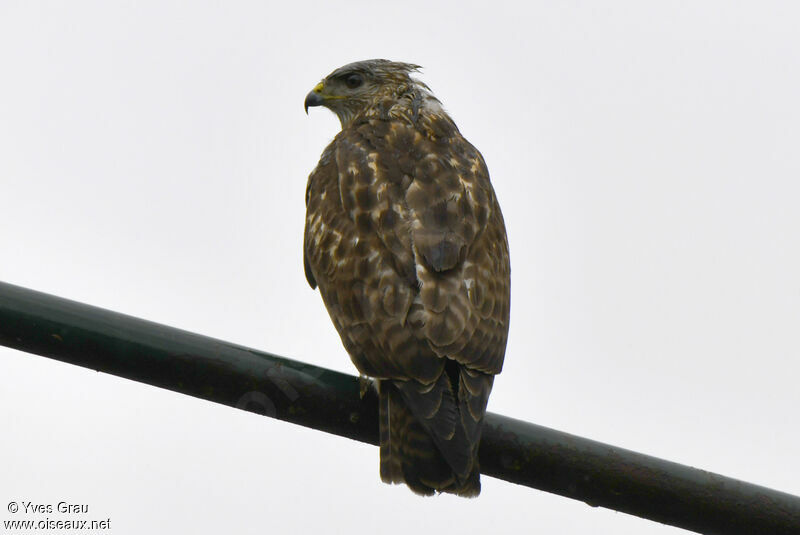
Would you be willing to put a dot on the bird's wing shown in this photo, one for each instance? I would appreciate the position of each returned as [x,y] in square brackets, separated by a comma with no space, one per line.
[306,266]
[360,257]
[405,231]
[458,242]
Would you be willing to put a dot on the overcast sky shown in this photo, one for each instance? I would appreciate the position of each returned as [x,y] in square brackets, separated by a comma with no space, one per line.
[153,161]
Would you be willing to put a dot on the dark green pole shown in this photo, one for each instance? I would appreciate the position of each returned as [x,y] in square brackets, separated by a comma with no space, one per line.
[513,450]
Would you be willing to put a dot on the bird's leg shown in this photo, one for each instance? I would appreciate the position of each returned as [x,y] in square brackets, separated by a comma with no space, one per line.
[364,382]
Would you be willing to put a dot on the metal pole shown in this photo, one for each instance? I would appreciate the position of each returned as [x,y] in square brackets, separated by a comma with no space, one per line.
[512,450]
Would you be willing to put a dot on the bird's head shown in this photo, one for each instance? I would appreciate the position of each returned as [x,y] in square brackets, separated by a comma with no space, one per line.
[352,90]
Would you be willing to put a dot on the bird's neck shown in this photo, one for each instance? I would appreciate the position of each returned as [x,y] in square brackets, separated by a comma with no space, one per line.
[413,104]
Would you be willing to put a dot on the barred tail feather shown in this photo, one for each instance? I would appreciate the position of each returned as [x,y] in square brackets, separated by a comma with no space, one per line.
[423,440]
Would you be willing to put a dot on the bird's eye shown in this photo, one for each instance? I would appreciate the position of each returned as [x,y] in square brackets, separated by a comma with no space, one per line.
[353,80]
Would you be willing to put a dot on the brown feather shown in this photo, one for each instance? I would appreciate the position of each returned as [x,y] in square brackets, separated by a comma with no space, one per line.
[406,241]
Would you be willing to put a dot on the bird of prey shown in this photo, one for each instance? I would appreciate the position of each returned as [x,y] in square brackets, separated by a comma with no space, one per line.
[405,240]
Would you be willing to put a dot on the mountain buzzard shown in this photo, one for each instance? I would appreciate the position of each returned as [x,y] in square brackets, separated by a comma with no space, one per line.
[406,241]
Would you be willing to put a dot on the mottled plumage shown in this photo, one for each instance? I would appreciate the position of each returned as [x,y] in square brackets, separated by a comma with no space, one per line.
[406,241]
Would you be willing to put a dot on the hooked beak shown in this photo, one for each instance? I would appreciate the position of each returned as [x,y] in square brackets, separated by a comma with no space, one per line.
[314,98]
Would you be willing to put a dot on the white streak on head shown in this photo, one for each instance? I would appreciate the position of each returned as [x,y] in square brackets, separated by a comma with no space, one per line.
[430,104]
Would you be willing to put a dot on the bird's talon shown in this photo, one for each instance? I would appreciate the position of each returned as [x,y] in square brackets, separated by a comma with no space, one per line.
[363,385]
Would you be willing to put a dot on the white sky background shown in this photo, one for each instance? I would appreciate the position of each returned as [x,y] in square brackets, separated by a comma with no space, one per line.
[153,161]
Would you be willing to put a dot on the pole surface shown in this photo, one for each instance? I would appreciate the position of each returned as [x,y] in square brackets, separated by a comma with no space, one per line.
[512,450]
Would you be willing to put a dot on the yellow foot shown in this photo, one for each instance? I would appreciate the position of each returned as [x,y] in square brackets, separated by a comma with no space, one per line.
[364,383]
